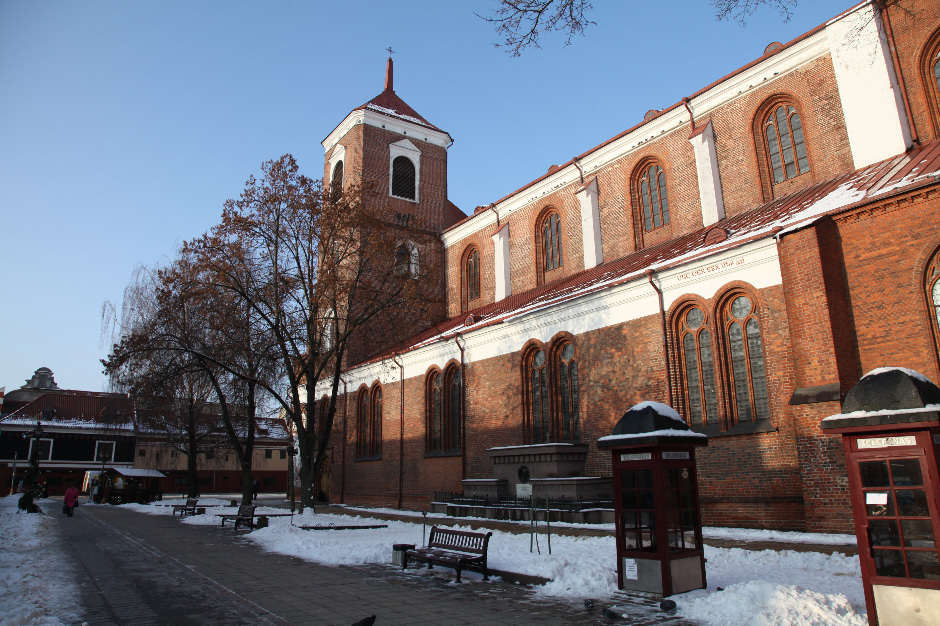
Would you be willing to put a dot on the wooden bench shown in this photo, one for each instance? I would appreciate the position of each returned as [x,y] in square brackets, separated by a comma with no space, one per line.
[246,515]
[459,549]
[186,509]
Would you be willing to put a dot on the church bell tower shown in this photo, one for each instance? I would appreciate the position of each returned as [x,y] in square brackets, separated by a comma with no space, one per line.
[386,142]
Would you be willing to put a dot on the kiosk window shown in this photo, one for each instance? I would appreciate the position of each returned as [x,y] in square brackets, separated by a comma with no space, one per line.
[900,532]
[680,510]
[639,515]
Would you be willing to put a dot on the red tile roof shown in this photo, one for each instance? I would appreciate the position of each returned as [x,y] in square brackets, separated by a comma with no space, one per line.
[390,104]
[905,172]
[77,409]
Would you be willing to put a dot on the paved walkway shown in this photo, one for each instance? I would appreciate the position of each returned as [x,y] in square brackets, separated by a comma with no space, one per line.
[138,569]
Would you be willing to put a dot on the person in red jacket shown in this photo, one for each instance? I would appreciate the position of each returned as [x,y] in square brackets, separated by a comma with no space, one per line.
[71,500]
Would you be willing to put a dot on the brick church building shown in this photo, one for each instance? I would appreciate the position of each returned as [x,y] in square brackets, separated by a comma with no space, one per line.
[744,256]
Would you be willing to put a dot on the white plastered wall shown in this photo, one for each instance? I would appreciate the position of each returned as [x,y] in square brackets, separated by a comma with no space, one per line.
[868,88]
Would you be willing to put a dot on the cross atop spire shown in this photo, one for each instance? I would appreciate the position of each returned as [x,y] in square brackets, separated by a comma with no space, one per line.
[389,84]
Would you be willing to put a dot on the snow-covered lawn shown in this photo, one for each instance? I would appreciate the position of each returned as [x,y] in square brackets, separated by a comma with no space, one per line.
[760,588]
[37,585]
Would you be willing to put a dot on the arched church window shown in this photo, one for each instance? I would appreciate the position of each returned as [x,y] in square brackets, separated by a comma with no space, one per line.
[471,276]
[698,367]
[933,297]
[363,435]
[746,360]
[403,178]
[537,384]
[444,411]
[375,427]
[435,428]
[336,182]
[784,142]
[651,187]
[568,390]
[548,243]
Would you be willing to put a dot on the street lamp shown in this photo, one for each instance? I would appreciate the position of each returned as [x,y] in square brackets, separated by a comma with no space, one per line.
[31,480]
[103,457]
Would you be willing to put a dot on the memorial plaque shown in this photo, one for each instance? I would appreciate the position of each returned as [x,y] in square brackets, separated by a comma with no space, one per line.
[523,490]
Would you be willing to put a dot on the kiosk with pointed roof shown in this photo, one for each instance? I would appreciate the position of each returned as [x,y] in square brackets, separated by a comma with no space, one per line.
[658,523]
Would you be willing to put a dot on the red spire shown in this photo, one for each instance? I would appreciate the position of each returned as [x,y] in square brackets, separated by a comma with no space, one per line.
[388,76]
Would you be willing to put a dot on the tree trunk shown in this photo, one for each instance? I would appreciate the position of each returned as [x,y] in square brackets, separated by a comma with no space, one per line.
[192,466]
[308,468]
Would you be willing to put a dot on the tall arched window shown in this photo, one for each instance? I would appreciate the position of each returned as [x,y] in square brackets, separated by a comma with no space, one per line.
[444,411]
[454,398]
[363,435]
[551,236]
[369,422]
[403,178]
[568,389]
[933,297]
[548,243]
[375,427]
[783,140]
[435,428]
[553,405]
[930,75]
[336,182]
[651,187]
[746,360]
[698,367]
[537,384]
[470,277]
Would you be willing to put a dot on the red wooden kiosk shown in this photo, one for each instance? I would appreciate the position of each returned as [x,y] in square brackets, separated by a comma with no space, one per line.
[658,525]
[890,427]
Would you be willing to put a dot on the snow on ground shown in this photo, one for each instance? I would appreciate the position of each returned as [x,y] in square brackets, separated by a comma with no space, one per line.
[36,584]
[760,587]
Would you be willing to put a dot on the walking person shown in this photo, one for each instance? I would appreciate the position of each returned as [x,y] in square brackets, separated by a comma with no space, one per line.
[71,500]
[254,489]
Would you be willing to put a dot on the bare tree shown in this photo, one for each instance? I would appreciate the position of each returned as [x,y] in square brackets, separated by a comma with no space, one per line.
[168,357]
[519,23]
[312,272]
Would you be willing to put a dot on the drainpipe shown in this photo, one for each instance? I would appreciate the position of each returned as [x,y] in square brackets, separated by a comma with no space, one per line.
[662,319]
[578,165]
[496,213]
[463,407]
[401,430]
[685,101]
[897,70]
[342,481]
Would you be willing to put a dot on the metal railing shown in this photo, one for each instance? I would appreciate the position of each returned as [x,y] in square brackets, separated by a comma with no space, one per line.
[565,504]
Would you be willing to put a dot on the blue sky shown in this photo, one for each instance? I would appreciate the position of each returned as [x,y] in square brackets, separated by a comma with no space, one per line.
[124,126]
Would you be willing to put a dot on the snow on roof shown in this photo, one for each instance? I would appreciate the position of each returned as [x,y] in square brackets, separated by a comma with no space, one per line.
[798,210]
[663,409]
[909,372]
[531,445]
[388,103]
[930,408]
[138,473]
[655,433]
